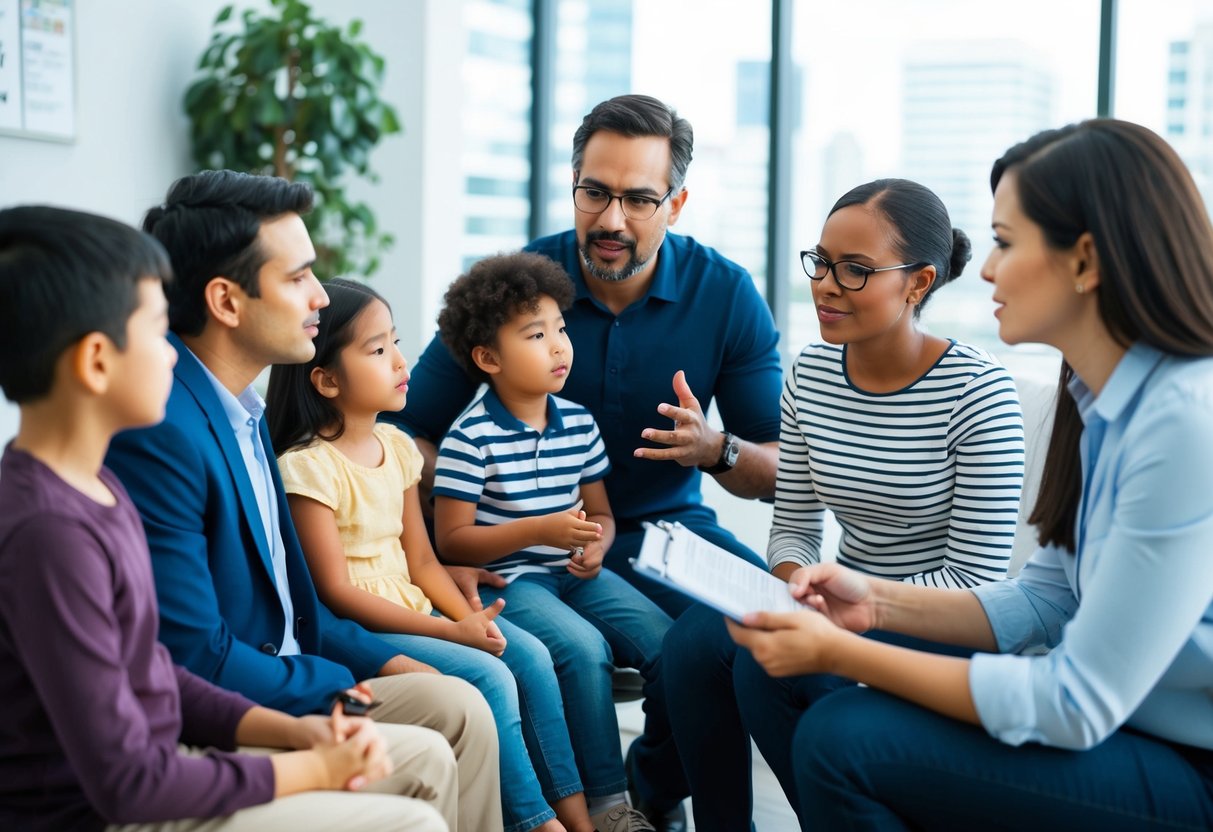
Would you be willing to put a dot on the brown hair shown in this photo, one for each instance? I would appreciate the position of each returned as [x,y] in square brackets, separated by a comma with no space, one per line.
[1130,190]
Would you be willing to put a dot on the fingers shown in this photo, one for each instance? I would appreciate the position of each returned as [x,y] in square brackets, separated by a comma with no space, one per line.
[683,391]
[493,610]
[488,578]
[340,722]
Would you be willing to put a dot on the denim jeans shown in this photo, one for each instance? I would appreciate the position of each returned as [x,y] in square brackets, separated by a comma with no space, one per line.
[629,534]
[522,692]
[866,760]
[589,627]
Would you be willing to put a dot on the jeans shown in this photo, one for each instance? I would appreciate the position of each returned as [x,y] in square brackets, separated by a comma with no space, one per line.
[866,760]
[589,627]
[522,692]
[629,534]
[723,698]
[772,708]
[715,750]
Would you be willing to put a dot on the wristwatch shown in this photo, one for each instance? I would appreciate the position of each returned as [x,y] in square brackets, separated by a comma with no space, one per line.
[729,452]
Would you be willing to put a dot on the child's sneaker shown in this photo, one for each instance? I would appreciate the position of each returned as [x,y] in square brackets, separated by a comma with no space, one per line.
[621,818]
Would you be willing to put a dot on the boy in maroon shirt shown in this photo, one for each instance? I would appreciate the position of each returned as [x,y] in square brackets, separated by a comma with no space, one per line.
[94,708]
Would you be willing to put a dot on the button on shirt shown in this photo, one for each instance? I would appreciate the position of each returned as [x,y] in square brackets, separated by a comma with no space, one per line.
[701,314]
[1131,614]
[245,413]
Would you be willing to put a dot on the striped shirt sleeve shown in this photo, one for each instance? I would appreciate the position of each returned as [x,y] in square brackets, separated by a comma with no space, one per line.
[986,430]
[798,521]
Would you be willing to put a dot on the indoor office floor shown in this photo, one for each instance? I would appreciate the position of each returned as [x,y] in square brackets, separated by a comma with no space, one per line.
[771,810]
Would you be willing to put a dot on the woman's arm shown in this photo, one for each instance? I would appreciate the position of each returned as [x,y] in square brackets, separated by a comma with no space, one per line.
[797,523]
[790,644]
[986,430]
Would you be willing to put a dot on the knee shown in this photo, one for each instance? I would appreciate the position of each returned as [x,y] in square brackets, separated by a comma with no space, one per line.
[831,737]
[499,688]
[578,648]
[697,646]
[460,706]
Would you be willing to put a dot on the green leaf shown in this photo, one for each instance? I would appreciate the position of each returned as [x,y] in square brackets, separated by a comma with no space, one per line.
[224,14]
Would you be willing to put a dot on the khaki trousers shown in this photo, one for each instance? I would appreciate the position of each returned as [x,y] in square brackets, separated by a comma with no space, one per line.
[443,742]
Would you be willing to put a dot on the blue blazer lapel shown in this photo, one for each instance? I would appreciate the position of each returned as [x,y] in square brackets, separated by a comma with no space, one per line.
[190,373]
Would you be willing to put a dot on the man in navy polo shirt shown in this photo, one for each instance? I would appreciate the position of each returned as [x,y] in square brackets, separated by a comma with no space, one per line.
[656,316]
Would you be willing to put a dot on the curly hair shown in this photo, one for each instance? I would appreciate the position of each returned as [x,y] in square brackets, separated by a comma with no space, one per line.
[492,292]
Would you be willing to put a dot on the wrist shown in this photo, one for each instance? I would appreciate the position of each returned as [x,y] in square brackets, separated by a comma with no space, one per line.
[726,452]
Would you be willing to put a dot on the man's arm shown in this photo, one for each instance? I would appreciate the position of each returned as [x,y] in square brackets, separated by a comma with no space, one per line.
[168,479]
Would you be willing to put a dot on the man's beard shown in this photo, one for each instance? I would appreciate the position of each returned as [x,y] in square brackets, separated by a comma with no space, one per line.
[630,269]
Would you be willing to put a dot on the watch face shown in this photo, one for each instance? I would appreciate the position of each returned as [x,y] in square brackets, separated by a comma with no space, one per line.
[731,451]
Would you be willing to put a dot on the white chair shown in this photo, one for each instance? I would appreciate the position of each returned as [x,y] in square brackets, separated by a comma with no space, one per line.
[1037,397]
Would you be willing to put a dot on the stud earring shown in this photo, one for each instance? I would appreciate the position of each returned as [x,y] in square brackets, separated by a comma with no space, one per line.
[1080,288]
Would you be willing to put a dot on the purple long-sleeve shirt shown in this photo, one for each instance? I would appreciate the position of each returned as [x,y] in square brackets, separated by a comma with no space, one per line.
[91,707]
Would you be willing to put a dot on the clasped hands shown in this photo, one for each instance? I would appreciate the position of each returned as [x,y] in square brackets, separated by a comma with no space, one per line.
[352,750]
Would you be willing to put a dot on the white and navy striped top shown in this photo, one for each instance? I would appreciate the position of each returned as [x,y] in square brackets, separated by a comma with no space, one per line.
[924,481]
[510,470]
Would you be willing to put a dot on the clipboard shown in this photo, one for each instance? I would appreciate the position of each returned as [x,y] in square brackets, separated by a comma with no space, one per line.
[675,556]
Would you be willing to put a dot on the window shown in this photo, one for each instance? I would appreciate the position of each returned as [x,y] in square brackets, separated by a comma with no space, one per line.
[1164,77]
[710,60]
[933,92]
[496,127]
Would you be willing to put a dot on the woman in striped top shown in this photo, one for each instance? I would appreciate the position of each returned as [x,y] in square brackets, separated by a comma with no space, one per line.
[915,442]
[1104,250]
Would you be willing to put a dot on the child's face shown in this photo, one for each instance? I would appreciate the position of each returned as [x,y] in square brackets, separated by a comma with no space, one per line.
[372,375]
[533,351]
[143,371]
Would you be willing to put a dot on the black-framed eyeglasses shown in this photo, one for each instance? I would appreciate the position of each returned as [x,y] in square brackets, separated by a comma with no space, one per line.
[847,273]
[592,200]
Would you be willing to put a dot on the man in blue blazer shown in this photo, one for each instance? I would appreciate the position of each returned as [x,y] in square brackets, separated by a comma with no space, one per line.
[237,603]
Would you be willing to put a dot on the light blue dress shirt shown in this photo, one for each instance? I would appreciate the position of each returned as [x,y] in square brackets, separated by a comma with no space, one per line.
[1130,616]
[245,413]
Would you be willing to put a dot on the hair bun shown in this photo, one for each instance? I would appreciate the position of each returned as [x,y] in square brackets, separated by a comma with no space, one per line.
[962,253]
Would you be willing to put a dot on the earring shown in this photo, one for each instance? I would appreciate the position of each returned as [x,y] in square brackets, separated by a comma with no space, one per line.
[1080,288]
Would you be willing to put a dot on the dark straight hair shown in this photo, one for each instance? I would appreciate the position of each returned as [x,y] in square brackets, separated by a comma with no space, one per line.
[209,223]
[294,410]
[1130,190]
[64,274]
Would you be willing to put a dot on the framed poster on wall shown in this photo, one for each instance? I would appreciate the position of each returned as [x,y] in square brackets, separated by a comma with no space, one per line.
[38,69]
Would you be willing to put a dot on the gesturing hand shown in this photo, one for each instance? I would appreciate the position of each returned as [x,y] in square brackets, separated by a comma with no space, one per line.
[480,631]
[692,441]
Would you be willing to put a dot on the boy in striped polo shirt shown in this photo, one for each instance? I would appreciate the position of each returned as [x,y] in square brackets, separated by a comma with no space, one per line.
[518,490]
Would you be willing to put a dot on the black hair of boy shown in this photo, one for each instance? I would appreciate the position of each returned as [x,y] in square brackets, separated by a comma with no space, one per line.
[64,274]
[294,409]
[493,291]
[208,224]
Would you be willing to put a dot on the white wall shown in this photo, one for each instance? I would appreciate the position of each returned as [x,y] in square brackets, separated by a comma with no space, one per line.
[134,60]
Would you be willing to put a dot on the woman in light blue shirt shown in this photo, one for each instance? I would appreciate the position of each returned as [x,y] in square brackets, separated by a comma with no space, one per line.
[1105,251]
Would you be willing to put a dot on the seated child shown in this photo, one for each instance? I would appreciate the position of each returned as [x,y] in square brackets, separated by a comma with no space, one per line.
[518,489]
[97,718]
[352,489]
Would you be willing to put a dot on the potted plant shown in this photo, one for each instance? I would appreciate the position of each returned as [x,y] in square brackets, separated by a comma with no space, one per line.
[291,95]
